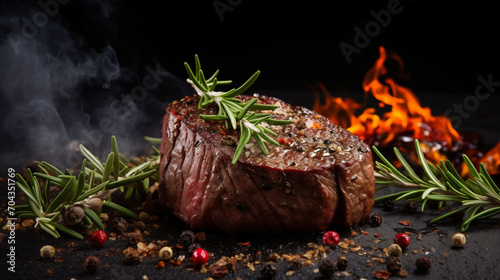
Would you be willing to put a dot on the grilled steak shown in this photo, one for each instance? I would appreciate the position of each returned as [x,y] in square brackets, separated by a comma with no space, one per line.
[320,176]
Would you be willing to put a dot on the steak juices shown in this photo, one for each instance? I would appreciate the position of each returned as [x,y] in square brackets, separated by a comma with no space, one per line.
[321,175]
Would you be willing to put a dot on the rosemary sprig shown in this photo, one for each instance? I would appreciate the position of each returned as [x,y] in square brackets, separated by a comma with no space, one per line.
[234,111]
[479,195]
[88,191]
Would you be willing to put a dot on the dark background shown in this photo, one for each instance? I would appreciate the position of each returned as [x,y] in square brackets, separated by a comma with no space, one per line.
[445,47]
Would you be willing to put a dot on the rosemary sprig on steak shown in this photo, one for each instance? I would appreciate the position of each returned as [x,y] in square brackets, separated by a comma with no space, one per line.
[233,111]
[479,195]
[59,200]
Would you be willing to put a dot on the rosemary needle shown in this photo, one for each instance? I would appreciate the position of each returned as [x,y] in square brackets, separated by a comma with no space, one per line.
[114,174]
[234,112]
[440,183]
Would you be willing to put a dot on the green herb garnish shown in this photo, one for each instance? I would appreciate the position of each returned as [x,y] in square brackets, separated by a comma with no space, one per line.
[233,111]
[479,196]
[94,182]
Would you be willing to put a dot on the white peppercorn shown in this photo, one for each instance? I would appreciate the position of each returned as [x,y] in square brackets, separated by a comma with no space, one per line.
[394,250]
[166,253]
[94,203]
[47,252]
[458,240]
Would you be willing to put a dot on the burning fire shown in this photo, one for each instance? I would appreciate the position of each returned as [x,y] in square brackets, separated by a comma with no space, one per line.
[404,120]
[491,160]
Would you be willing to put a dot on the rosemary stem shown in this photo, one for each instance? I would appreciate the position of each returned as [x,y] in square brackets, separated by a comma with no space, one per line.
[233,111]
[440,183]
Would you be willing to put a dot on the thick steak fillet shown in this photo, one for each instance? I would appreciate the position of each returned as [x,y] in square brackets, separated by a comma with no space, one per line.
[320,176]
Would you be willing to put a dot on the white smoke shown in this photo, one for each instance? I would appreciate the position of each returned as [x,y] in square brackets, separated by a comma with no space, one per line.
[57,92]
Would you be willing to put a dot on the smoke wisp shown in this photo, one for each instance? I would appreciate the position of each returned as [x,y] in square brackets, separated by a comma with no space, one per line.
[56,92]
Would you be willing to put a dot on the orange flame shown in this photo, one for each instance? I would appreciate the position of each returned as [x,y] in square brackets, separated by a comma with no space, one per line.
[406,116]
[491,160]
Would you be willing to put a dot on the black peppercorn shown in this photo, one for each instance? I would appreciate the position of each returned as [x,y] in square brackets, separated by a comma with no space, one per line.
[92,263]
[342,264]
[327,268]
[268,271]
[410,207]
[193,247]
[423,264]
[388,204]
[394,265]
[187,237]
[376,220]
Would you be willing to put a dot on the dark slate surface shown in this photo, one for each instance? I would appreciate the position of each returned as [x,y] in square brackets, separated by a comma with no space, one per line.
[478,259]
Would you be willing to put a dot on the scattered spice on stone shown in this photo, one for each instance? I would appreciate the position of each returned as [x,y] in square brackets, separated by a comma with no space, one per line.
[134,238]
[218,270]
[200,256]
[376,220]
[160,265]
[104,217]
[193,247]
[120,225]
[388,204]
[144,216]
[394,265]
[92,263]
[47,252]
[410,207]
[327,268]
[140,225]
[268,271]
[405,223]
[394,250]
[342,263]
[166,253]
[423,264]
[131,256]
[98,238]
[381,274]
[187,237]
[458,240]
[273,257]
[402,239]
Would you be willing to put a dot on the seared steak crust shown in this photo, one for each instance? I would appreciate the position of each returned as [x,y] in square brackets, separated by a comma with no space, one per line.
[321,175]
